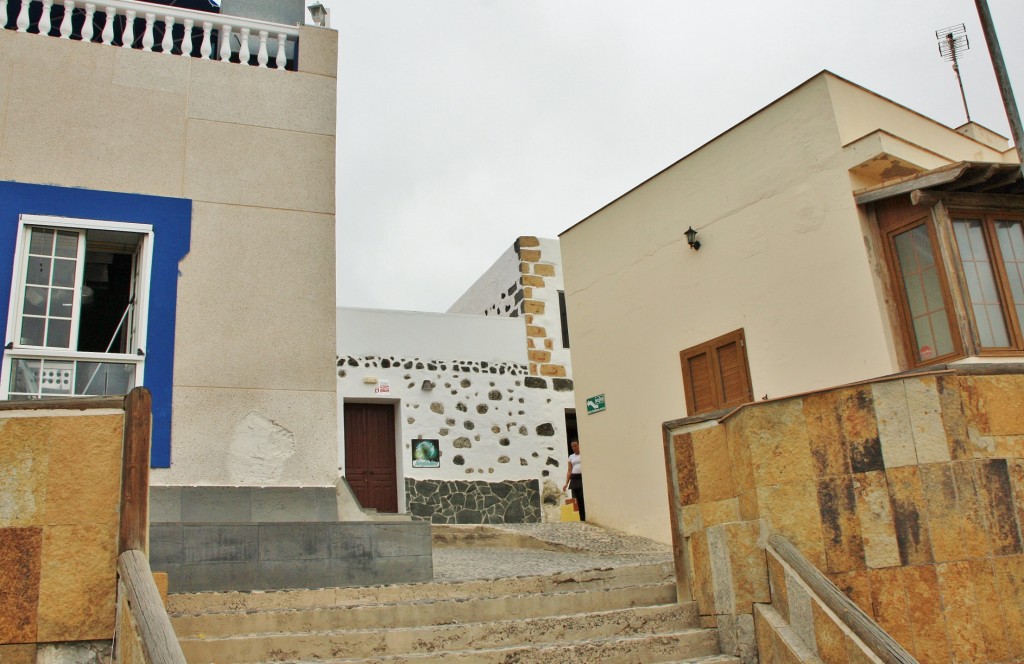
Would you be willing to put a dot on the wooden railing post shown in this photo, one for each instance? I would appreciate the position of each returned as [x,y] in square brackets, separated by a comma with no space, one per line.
[138,425]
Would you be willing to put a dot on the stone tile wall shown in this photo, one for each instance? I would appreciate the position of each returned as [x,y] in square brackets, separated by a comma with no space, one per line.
[459,501]
[907,492]
[59,514]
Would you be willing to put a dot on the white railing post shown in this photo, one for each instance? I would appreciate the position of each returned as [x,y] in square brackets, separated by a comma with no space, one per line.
[65,24]
[225,42]
[22,22]
[167,45]
[282,57]
[128,36]
[147,36]
[243,47]
[45,18]
[186,39]
[262,56]
[108,26]
[87,26]
[206,48]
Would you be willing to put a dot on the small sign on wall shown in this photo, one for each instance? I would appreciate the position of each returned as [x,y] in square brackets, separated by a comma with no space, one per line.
[383,388]
[426,453]
[595,404]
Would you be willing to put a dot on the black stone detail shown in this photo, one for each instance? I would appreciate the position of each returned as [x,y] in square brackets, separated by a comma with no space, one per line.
[385,364]
[419,365]
[468,424]
[562,384]
[551,462]
[533,381]
[504,442]
[457,460]
[494,395]
[465,381]
[523,431]
[461,407]
[545,429]
[462,443]
[481,408]
[352,362]
[431,366]
[407,365]
[465,501]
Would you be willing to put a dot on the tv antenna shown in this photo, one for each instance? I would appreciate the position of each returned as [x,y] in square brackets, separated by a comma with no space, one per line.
[952,42]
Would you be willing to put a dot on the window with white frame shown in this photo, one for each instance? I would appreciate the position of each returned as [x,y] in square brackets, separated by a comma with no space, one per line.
[76,323]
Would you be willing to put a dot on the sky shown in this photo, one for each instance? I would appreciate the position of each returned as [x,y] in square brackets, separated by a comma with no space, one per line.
[463,124]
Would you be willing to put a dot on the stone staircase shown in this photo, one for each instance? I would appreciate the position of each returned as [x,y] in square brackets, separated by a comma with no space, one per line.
[628,614]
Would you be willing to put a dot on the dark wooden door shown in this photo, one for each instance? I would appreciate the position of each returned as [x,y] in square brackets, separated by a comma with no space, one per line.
[370,466]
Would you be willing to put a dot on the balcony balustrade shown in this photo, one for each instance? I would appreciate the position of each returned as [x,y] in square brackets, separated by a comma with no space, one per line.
[157,28]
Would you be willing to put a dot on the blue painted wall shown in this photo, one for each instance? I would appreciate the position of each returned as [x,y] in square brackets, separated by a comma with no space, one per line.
[171,219]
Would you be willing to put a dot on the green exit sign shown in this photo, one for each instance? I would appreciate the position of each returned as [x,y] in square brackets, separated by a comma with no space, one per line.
[595,404]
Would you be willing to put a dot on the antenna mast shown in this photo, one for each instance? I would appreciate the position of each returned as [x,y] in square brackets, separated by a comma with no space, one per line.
[952,42]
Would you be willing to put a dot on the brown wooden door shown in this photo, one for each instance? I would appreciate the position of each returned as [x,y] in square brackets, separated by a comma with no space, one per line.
[370,466]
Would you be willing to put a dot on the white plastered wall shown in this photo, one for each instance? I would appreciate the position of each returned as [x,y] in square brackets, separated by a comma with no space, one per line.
[782,256]
[254,150]
[476,363]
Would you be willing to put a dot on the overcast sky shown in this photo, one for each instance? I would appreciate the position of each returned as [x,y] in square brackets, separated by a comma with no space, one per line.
[463,124]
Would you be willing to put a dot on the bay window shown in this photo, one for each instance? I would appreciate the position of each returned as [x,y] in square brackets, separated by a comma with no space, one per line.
[76,320]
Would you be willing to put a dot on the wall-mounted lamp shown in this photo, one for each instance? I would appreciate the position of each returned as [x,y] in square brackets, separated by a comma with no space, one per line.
[321,15]
[691,239]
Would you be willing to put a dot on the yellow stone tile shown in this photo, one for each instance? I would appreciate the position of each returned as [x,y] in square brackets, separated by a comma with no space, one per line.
[926,621]
[84,479]
[828,446]
[856,586]
[994,485]
[792,511]
[876,523]
[20,556]
[686,469]
[24,653]
[943,510]
[24,459]
[739,452]
[992,404]
[777,585]
[1016,470]
[713,464]
[829,637]
[909,517]
[748,565]
[779,444]
[837,504]
[953,419]
[926,420]
[960,609]
[859,426]
[973,514]
[749,508]
[989,611]
[889,603]
[1009,582]
[691,518]
[892,415]
[700,563]
[77,583]
[719,512]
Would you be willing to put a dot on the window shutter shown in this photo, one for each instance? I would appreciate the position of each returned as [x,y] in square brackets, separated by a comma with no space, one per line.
[701,391]
[734,387]
[715,374]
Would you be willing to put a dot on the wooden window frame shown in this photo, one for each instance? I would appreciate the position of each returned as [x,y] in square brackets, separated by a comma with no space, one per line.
[995,256]
[709,348]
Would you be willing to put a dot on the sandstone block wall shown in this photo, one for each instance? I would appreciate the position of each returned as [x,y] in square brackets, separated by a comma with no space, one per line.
[59,513]
[908,493]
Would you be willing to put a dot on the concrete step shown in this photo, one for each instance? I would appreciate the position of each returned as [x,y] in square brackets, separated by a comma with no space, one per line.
[363,643]
[662,647]
[422,612]
[227,602]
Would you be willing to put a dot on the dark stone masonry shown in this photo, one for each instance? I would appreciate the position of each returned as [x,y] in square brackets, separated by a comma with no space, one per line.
[462,501]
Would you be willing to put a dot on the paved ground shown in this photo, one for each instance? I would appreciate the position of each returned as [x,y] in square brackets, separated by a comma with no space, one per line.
[576,546]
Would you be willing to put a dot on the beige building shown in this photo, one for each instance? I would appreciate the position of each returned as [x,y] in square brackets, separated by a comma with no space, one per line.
[184,162]
[841,237]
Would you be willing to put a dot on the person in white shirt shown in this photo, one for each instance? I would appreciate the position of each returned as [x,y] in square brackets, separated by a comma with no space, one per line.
[574,479]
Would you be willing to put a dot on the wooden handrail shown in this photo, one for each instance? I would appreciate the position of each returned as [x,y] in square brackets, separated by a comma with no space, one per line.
[860,623]
[156,635]
[138,426]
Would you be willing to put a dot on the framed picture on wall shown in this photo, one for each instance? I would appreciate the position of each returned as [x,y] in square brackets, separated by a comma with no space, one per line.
[426,453]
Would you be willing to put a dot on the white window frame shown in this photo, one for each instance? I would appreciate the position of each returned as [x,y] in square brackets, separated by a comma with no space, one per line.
[140,315]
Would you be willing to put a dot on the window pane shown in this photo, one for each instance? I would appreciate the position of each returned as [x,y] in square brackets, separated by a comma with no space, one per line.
[67,244]
[922,286]
[1011,244]
[981,283]
[25,376]
[61,302]
[104,378]
[38,270]
[58,333]
[32,331]
[41,243]
[63,273]
[35,301]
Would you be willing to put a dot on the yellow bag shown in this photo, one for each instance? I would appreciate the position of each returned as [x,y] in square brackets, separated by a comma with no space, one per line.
[569,510]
